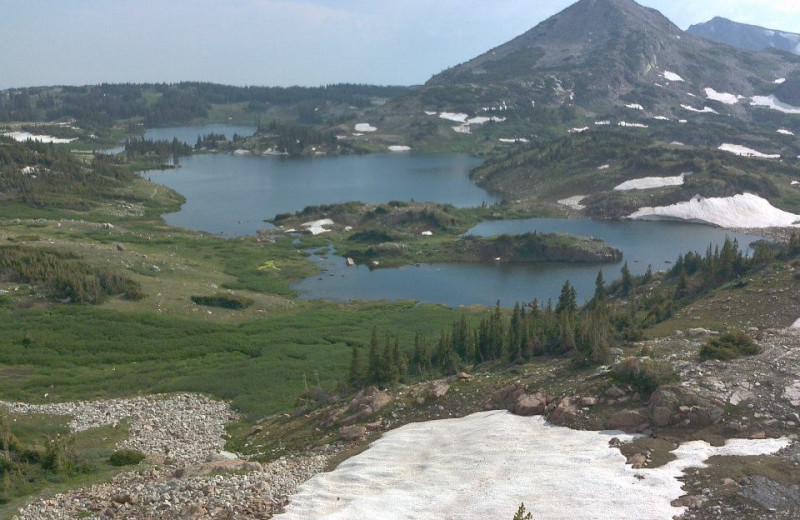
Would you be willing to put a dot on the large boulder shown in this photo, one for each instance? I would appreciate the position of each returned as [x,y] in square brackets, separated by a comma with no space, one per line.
[505,398]
[352,433]
[565,412]
[528,405]
[674,405]
[628,420]
[439,389]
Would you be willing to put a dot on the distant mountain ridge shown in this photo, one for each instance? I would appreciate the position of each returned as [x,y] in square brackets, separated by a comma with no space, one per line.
[744,36]
[596,53]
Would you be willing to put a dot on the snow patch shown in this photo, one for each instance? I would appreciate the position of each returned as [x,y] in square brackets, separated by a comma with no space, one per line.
[578,130]
[317,227]
[463,129]
[512,141]
[635,106]
[796,325]
[456,117]
[704,110]
[399,148]
[602,123]
[632,125]
[484,465]
[671,76]
[603,167]
[780,81]
[574,202]
[24,136]
[661,118]
[647,183]
[773,103]
[739,211]
[427,233]
[429,113]
[785,131]
[744,151]
[722,97]
[365,127]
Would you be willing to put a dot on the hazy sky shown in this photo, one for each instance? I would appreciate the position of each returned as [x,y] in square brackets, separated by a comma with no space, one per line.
[287,42]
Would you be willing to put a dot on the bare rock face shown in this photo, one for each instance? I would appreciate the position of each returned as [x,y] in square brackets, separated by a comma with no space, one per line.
[352,433]
[529,405]
[364,404]
[615,392]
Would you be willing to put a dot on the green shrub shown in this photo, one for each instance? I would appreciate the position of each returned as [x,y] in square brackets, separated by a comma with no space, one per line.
[126,458]
[522,513]
[225,301]
[645,375]
[730,345]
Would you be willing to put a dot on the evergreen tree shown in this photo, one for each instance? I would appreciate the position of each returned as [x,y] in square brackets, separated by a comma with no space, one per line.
[627,280]
[567,300]
[600,292]
[374,360]
[355,376]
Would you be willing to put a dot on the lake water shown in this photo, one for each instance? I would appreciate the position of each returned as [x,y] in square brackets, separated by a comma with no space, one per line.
[234,194]
[642,243]
[189,134]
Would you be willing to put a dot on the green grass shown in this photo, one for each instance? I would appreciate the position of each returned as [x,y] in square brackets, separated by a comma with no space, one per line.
[78,352]
[92,447]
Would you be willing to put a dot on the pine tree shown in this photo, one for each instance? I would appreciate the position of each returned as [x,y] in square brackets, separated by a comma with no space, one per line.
[600,292]
[567,300]
[627,280]
[373,361]
[355,376]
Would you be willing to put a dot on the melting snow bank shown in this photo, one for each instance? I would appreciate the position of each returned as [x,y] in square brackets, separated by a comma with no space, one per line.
[24,136]
[746,152]
[399,148]
[739,211]
[704,110]
[573,202]
[785,131]
[647,183]
[317,227]
[365,127]
[773,103]
[722,97]
[486,464]
[796,325]
[671,76]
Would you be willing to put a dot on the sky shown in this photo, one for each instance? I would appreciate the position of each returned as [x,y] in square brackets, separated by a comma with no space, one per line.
[288,42]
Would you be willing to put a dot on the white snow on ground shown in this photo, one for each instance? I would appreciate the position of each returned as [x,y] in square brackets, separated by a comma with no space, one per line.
[683,121]
[517,140]
[399,148]
[671,76]
[484,465]
[479,120]
[604,167]
[632,125]
[661,118]
[739,211]
[365,127]
[785,131]
[635,106]
[463,129]
[704,110]
[24,136]
[722,97]
[317,227]
[796,325]
[578,130]
[746,152]
[647,183]
[602,123]
[573,202]
[450,116]
[780,81]
[429,113]
[427,233]
[773,103]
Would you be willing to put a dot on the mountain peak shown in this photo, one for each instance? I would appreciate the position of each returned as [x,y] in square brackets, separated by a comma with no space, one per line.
[744,36]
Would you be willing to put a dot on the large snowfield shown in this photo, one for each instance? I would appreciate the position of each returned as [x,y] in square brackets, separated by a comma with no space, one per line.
[744,151]
[739,211]
[484,465]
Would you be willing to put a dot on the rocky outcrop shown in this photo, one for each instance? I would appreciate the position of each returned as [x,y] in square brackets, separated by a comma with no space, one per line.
[566,412]
[515,399]
[676,406]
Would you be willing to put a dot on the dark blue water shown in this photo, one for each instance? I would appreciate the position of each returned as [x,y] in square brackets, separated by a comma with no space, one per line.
[642,243]
[233,195]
